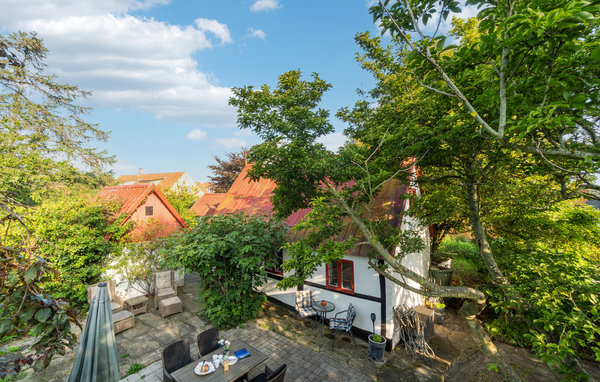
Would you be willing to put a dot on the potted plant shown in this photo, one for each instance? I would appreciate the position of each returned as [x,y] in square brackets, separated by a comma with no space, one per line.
[377,347]
[438,313]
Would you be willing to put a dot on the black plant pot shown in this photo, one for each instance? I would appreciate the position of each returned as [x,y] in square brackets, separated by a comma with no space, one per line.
[377,349]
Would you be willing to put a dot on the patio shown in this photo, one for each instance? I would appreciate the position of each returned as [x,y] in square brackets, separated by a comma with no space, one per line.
[279,333]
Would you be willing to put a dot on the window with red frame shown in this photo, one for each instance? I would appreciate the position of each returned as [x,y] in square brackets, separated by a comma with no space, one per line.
[277,269]
[340,276]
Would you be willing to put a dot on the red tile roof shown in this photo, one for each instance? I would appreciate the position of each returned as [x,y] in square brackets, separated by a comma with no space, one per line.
[132,196]
[164,180]
[255,198]
[207,204]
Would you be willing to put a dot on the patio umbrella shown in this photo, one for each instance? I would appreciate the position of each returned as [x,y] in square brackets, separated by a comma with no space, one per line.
[96,358]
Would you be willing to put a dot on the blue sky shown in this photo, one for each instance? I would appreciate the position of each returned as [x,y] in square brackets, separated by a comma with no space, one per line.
[161,71]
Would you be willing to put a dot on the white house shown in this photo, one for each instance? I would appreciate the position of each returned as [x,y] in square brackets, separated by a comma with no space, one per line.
[349,280]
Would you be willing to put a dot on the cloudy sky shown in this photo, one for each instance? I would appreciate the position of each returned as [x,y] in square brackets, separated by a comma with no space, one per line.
[161,71]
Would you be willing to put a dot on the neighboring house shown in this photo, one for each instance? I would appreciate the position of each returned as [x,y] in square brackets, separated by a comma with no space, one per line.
[348,281]
[164,181]
[147,207]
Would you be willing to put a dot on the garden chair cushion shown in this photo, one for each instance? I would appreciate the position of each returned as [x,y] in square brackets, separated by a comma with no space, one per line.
[304,303]
[343,324]
[166,292]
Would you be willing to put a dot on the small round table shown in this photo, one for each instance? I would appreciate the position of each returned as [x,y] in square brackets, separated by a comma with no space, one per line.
[323,310]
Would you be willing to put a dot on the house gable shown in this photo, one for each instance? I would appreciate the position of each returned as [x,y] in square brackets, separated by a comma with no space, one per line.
[135,198]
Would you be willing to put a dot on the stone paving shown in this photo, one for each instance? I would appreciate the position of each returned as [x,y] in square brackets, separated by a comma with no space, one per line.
[284,338]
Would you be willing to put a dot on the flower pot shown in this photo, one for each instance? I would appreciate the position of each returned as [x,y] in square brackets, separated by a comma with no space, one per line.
[442,276]
[377,349]
[438,315]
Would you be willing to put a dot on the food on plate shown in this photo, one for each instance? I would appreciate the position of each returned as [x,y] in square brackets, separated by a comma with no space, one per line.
[205,368]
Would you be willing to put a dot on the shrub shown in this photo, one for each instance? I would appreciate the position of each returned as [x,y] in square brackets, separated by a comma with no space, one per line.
[76,237]
[551,262]
[231,252]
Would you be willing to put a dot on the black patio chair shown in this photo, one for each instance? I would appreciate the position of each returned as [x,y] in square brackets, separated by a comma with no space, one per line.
[271,375]
[208,341]
[174,357]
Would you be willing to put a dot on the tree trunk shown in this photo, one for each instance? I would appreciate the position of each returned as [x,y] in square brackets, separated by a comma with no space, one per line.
[469,312]
[485,251]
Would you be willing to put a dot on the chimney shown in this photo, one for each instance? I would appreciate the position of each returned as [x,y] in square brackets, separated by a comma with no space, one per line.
[140,172]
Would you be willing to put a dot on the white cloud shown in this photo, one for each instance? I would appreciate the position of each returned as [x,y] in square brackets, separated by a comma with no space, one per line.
[264,5]
[243,133]
[124,168]
[332,141]
[257,33]
[220,30]
[230,143]
[196,135]
[128,62]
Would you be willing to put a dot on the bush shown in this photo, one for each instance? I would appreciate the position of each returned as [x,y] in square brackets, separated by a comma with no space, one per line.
[76,237]
[466,263]
[552,264]
[231,252]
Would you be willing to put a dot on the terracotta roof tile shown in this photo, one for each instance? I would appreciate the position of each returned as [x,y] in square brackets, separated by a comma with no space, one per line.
[133,195]
[164,180]
[207,204]
[255,198]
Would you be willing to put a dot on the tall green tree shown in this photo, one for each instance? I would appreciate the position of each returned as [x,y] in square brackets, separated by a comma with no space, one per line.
[42,131]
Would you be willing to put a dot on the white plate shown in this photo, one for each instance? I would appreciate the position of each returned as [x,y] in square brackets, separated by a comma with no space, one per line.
[232,359]
[198,371]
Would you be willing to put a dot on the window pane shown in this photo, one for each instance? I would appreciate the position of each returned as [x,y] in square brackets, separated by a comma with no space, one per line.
[149,210]
[346,275]
[333,275]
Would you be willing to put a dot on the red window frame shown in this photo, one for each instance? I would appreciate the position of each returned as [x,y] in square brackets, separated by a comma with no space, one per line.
[337,268]
[277,270]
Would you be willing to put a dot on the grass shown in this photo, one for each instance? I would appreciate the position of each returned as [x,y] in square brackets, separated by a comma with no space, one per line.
[135,368]
[466,263]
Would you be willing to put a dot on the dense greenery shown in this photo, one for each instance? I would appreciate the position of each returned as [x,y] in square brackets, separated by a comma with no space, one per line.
[76,235]
[182,199]
[231,252]
[41,130]
[551,258]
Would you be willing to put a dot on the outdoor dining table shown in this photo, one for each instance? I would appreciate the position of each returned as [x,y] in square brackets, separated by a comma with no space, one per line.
[237,370]
[323,310]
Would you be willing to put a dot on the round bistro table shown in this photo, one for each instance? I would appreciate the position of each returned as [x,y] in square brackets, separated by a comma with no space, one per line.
[323,310]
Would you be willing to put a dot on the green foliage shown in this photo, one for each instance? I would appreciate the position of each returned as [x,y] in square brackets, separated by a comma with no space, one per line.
[25,309]
[42,130]
[137,261]
[76,236]
[377,338]
[182,198]
[553,265]
[231,252]
[289,122]
[135,368]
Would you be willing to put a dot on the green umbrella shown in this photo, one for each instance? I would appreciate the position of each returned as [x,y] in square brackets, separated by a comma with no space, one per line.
[96,359]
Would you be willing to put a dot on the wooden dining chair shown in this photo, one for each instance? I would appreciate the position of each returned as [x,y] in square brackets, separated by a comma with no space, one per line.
[174,357]
[208,341]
